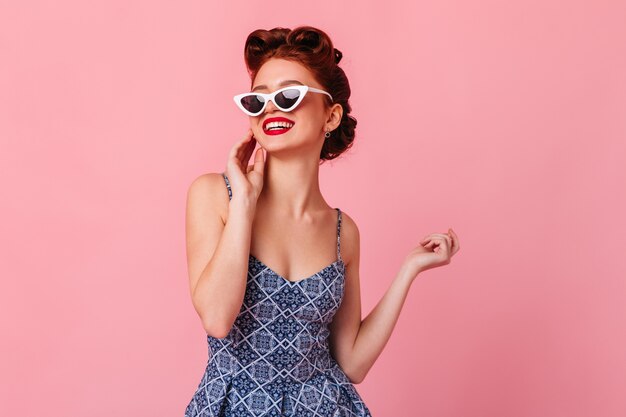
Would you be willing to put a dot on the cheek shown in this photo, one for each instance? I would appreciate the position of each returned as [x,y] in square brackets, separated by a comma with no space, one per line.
[307,121]
[256,127]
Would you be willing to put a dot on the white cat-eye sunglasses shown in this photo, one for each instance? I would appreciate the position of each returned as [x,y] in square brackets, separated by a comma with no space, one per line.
[285,99]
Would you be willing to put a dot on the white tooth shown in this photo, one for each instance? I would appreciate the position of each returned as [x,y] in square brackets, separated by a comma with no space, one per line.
[279,124]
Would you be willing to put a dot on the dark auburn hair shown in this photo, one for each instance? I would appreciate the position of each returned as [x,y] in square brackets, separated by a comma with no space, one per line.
[312,48]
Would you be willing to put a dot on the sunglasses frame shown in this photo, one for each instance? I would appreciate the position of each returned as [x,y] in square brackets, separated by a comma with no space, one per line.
[304,89]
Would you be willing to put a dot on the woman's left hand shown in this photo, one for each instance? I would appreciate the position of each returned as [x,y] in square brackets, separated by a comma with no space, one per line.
[433,251]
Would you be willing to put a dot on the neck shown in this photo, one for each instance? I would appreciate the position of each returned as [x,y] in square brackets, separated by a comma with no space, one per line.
[291,187]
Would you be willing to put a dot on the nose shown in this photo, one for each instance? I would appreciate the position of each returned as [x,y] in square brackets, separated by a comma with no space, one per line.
[270,107]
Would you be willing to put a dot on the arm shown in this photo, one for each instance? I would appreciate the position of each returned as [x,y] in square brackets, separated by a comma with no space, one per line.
[217,252]
[357,344]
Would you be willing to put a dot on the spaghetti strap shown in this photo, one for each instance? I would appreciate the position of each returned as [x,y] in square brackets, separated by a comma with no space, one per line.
[230,192]
[338,232]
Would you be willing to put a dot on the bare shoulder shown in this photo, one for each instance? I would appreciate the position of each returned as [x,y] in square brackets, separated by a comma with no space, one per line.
[349,238]
[208,195]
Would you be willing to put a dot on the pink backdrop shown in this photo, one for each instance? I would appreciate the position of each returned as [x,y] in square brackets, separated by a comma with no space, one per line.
[503,120]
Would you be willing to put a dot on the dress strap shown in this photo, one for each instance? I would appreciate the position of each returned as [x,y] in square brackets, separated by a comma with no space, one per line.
[230,192]
[338,232]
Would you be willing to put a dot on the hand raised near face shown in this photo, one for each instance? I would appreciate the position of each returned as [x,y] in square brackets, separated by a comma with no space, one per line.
[246,180]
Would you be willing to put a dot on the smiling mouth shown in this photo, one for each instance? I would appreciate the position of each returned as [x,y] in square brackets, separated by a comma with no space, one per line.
[277,130]
[277,123]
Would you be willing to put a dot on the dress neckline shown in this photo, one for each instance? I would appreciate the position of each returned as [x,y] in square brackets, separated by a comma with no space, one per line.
[332,264]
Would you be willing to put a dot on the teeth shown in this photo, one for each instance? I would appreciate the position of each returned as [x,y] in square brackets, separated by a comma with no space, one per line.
[279,125]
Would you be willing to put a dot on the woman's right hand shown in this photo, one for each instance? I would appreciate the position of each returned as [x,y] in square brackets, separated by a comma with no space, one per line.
[246,180]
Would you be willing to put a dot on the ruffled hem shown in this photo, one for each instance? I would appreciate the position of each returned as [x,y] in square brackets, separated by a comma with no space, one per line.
[326,394]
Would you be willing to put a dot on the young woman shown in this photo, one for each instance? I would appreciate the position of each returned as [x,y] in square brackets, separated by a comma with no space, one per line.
[273,269]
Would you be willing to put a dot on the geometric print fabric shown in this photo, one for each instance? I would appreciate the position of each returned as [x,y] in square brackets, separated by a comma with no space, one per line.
[275,361]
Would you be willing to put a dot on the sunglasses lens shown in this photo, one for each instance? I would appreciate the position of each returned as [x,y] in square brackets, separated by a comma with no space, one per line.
[287,99]
[253,103]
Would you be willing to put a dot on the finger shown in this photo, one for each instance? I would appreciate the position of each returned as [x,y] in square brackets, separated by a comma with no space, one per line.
[455,240]
[245,151]
[443,236]
[446,249]
[235,152]
[449,240]
[440,248]
[435,241]
[235,167]
[249,148]
[441,240]
[251,166]
[259,161]
[430,245]
[452,245]
[437,235]
[241,148]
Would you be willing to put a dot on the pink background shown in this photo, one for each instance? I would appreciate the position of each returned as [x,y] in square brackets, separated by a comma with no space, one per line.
[503,120]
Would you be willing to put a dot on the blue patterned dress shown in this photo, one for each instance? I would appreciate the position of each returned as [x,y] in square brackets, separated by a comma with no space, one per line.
[275,361]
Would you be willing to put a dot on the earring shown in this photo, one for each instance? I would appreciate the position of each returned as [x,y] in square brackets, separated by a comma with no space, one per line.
[327,134]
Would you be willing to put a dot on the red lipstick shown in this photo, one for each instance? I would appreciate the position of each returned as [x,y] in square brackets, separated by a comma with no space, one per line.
[276,131]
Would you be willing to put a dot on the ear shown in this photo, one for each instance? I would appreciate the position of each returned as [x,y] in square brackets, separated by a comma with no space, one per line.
[334,116]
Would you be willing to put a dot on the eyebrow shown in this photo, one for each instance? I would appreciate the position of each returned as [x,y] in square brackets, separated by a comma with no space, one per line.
[259,87]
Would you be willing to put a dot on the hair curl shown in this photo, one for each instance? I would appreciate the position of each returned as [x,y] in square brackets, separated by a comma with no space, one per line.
[314,49]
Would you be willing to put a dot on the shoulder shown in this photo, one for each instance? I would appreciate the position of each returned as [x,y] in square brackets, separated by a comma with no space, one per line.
[349,238]
[208,193]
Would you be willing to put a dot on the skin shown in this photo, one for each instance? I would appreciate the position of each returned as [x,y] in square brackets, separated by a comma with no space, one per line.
[280,190]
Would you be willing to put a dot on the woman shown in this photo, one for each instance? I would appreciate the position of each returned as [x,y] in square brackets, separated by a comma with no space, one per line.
[285,335]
